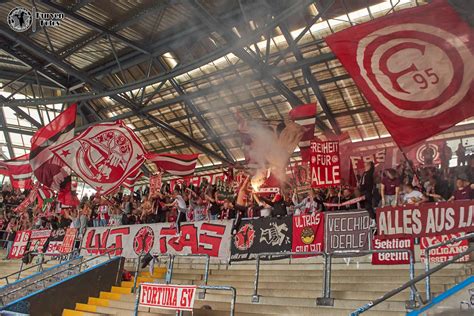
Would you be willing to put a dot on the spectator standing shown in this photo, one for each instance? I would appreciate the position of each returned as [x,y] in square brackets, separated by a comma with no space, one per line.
[366,187]
[390,188]
[461,153]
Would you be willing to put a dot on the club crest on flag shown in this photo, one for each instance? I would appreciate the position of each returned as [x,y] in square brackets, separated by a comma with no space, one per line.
[104,155]
[414,67]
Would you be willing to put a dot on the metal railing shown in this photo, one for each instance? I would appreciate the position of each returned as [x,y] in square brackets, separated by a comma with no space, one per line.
[39,265]
[45,278]
[137,268]
[427,259]
[256,297]
[201,287]
[411,284]
[326,299]
[170,268]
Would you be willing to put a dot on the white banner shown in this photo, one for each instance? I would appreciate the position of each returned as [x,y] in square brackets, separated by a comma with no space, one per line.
[167,296]
[212,238]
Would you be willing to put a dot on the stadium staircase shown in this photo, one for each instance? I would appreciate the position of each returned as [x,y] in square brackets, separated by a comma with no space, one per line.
[287,287]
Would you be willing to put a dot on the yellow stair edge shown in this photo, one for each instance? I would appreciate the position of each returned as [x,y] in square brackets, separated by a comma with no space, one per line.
[127,284]
[121,290]
[86,307]
[98,301]
[70,312]
[110,296]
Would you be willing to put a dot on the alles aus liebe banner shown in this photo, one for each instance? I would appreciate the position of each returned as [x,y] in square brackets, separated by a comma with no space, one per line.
[426,220]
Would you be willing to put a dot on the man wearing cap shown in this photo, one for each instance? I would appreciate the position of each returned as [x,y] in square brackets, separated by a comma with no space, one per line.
[464,190]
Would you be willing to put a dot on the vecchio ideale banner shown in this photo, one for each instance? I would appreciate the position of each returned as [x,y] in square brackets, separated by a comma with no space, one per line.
[347,231]
[426,220]
[266,234]
[210,238]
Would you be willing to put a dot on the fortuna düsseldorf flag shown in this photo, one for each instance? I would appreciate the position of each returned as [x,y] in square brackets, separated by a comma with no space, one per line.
[175,164]
[47,168]
[415,67]
[19,171]
[104,155]
[130,181]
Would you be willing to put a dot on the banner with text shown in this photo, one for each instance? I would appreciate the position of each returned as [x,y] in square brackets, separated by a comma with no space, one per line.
[38,238]
[210,238]
[443,253]
[68,241]
[346,231]
[325,165]
[166,296]
[426,220]
[262,235]
[19,244]
[308,233]
[388,258]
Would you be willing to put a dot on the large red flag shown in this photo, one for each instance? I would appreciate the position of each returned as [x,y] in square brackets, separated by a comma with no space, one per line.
[415,67]
[175,164]
[19,171]
[104,155]
[47,168]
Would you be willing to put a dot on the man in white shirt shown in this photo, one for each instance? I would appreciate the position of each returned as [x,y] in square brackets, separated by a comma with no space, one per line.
[412,196]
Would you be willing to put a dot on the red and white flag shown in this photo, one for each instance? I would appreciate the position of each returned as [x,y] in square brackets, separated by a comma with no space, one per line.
[415,67]
[19,171]
[130,181]
[47,168]
[305,115]
[175,164]
[104,155]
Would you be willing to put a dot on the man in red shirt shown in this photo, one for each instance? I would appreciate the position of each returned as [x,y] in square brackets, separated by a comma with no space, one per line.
[464,190]
[390,188]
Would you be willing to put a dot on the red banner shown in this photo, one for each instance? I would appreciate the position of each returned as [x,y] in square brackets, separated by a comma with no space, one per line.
[38,238]
[325,165]
[388,258]
[197,180]
[426,153]
[155,184]
[414,67]
[175,297]
[19,244]
[444,253]
[308,233]
[426,220]
[68,242]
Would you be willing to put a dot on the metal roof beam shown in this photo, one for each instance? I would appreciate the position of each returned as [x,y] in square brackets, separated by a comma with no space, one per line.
[190,104]
[313,82]
[6,134]
[215,25]
[93,25]
[99,86]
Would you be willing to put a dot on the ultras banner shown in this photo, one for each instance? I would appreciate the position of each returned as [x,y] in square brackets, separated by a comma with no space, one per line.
[426,220]
[308,233]
[347,231]
[210,238]
[262,235]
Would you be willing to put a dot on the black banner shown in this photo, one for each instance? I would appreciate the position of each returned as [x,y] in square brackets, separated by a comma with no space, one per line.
[267,234]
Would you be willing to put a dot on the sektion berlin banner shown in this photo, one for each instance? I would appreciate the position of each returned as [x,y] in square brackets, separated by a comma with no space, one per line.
[387,258]
[308,233]
[210,238]
[426,220]
[325,165]
[262,235]
[347,231]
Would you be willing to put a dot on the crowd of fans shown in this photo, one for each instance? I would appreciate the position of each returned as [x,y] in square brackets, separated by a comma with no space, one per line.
[403,184]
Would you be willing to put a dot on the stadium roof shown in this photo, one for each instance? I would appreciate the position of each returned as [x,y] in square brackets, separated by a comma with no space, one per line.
[176,71]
